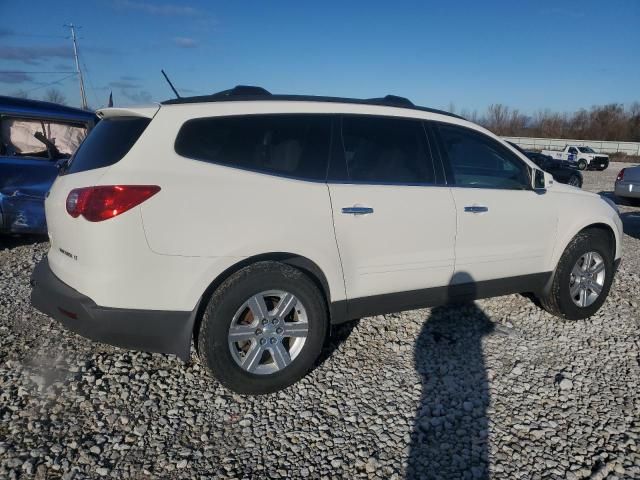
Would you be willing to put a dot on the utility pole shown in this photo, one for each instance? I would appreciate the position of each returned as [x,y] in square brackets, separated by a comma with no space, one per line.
[83,96]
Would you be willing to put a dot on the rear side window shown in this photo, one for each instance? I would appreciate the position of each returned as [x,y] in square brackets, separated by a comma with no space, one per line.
[479,161]
[289,145]
[107,143]
[386,150]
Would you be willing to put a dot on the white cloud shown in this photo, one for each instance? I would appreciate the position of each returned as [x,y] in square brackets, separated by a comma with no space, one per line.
[185,42]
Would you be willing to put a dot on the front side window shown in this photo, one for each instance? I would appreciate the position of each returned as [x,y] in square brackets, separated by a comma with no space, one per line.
[478,161]
[289,145]
[586,150]
[31,137]
[573,150]
[386,150]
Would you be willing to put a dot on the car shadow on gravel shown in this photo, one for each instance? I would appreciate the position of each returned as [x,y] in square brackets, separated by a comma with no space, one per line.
[450,433]
[12,241]
[618,200]
[337,336]
[631,223]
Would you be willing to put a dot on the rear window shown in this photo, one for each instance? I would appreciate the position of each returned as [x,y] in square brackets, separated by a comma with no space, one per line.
[289,145]
[107,143]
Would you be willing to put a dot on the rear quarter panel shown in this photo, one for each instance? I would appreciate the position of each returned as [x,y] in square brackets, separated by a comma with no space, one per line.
[215,216]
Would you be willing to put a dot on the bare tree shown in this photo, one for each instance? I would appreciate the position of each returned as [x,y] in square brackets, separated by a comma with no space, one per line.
[20,94]
[55,96]
[603,122]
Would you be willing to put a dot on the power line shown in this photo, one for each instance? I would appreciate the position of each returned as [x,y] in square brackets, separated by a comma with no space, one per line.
[13,34]
[93,90]
[51,83]
[26,72]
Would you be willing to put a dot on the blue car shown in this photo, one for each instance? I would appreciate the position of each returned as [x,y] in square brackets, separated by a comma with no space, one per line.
[36,140]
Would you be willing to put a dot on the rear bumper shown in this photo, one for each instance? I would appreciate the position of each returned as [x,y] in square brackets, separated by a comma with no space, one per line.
[628,189]
[145,330]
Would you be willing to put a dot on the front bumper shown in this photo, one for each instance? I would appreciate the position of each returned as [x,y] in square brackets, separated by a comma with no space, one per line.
[599,164]
[627,189]
[146,330]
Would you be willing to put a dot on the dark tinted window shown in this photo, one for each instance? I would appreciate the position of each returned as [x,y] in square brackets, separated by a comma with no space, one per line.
[479,161]
[386,150]
[290,145]
[573,150]
[107,143]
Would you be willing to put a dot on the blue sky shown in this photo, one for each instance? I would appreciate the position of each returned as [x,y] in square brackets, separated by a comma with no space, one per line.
[561,55]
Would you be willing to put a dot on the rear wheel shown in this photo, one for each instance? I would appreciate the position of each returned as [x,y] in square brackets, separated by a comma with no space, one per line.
[263,328]
[582,164]
[583,277]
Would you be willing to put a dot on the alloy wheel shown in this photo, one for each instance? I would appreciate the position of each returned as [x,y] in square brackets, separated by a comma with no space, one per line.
[587,279]
[268,332]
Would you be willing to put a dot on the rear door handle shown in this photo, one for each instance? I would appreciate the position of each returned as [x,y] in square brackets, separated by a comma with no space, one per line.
[357,210]
[476,209]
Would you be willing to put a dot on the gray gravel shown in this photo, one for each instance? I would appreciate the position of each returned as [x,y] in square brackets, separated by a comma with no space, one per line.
[497,389]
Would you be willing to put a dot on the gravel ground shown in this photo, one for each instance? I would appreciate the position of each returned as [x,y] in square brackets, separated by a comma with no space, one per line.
[496,389]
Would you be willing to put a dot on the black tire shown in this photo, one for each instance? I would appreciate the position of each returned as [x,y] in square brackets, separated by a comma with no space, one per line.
[213,346]
[557,300]
[575,181]
[582,164]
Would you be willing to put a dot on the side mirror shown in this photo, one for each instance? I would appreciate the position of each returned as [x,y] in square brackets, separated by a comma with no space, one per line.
[539,180]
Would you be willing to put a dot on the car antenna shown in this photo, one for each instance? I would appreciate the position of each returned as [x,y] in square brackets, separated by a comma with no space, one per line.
[170,84]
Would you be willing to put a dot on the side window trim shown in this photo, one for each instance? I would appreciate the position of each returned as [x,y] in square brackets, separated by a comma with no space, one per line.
[447,162]
[338,168]
[443,175]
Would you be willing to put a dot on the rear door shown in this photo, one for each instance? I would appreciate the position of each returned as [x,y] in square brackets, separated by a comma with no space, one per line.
[504,228]
[393,217]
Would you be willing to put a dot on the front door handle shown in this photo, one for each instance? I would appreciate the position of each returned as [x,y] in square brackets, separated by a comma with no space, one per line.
[357,210]
[476,209]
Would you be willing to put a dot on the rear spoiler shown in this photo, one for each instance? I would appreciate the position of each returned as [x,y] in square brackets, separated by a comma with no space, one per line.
[147,111]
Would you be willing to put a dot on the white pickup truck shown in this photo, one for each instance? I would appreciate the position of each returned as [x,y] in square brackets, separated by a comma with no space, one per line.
[585,157]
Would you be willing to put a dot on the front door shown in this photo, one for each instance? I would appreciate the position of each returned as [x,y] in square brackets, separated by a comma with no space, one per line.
[505,229]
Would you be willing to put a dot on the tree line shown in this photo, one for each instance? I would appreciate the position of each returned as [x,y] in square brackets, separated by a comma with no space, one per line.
[613,122]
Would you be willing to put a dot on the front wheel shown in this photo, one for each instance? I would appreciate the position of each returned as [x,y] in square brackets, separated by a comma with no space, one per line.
[263,328]
[582,280]
[582,164]
[575,181]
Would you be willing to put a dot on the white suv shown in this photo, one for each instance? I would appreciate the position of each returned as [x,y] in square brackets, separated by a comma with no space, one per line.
[251,222]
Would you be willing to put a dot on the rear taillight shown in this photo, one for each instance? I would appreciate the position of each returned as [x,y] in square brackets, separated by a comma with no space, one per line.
[620,176]
[108,201]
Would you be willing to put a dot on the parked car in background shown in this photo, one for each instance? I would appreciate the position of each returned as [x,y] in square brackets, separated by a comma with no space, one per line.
[36,138]
[563,171]
[236,221]
[585,157]
[627,184]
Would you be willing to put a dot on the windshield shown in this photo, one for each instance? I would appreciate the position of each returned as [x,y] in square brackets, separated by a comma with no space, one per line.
[586,150]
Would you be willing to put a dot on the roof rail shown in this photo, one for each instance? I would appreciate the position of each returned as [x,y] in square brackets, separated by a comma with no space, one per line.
[393,100]
[252,93]
[242,91]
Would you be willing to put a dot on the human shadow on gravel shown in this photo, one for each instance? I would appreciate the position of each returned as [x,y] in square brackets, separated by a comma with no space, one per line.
[449,439]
